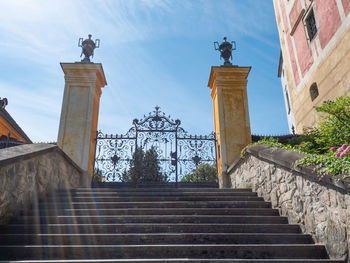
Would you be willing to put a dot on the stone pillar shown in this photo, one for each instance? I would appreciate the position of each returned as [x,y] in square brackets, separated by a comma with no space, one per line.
[231,116]
[79,115]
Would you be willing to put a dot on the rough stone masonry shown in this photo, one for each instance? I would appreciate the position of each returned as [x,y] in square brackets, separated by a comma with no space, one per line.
[31,170]
[320,205]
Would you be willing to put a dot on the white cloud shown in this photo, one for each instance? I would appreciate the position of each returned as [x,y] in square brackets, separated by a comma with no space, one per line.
[40,33]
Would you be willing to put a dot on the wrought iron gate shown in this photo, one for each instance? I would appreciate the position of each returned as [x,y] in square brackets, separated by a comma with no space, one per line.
[179,153]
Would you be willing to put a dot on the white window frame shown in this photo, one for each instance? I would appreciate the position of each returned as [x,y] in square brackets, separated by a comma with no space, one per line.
[307,14]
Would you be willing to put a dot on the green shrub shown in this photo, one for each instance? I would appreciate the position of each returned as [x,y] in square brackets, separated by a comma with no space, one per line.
[204,173]
[334,130]
[326,145]
[97,177]
[327,164]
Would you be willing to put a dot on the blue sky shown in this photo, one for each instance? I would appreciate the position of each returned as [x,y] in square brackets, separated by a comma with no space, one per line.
[153,53]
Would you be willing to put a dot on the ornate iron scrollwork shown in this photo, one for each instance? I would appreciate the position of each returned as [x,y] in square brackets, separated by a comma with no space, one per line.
[179,153]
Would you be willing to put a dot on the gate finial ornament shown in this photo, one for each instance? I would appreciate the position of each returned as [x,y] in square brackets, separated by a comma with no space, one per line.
[87,48]
[3,103]
[225,49]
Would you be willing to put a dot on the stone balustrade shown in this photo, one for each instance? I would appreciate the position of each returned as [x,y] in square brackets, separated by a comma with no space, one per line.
[320,205]
[32,170]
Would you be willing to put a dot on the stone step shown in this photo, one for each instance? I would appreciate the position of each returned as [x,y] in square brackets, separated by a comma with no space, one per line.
[182,260]
[158,193]
[147,228]
[152,198]
[149,238]
[245,251]
[155,225]
[165,204]
[160,211]
[174,185]
[152,219]
[162,189]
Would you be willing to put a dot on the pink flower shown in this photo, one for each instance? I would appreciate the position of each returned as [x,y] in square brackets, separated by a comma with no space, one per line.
[344,146]
[332,149]
[340,149]
[347,150]
[337,154]
[341,155]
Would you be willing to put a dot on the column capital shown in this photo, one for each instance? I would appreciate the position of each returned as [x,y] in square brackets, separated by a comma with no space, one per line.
[228,74]
[84,72]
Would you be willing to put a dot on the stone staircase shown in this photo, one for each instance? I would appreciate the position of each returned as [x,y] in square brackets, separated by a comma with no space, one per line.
[156,225]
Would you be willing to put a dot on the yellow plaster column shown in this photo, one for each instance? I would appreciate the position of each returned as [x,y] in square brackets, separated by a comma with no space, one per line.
[231,116]
[79,115]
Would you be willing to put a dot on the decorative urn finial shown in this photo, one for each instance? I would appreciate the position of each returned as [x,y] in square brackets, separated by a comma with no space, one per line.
[225,49]
[87,48]
[3,103]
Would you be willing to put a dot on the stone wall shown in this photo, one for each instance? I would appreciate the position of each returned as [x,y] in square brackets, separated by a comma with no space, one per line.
[30,171]
[321,206]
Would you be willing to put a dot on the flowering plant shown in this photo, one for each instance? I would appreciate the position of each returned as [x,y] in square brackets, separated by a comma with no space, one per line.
[319,143]
[342,151]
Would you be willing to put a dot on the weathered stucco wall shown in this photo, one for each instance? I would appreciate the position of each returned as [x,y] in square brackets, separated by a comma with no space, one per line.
[320,205]
[323,60]
[231,115]
[79,113]
[30,171]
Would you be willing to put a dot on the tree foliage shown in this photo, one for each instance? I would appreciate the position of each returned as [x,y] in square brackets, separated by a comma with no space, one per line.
[320,143]
[97,176]
[144,167]
[135,173]
[334,130]
[151,168]
[204,173]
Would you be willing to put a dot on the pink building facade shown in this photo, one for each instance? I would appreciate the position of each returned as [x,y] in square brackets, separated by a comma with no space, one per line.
[315,45]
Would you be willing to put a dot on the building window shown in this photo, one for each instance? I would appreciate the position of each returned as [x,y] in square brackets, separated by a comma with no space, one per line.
[287,98]
[293,130]
[313,91]
[311,26]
